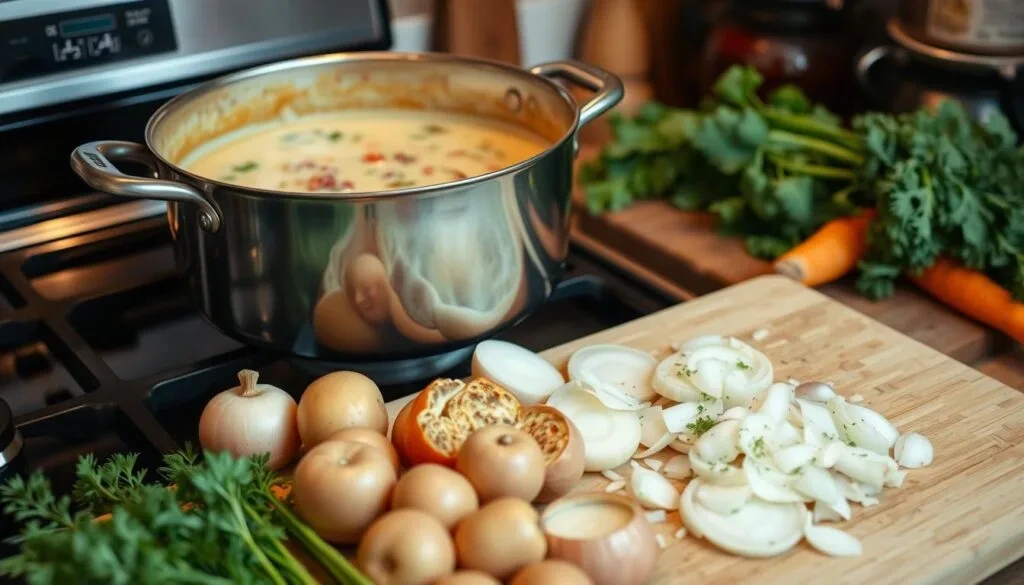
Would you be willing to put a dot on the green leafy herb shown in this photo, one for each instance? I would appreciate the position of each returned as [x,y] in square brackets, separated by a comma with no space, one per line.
[741,365]
[700,426]
[773,171]
[334,136]
[246,166]
[221,525]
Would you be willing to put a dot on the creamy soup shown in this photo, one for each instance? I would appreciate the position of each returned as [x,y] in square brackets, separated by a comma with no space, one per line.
[364,150]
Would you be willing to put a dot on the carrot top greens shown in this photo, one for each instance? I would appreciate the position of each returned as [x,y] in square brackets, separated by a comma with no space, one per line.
[773,171]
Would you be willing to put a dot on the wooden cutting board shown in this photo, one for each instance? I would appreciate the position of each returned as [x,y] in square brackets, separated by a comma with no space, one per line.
[957,521]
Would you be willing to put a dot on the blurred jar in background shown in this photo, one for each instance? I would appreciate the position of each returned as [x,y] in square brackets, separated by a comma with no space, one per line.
[803,42]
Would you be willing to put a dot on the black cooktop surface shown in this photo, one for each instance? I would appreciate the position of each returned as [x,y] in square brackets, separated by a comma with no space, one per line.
[101,351]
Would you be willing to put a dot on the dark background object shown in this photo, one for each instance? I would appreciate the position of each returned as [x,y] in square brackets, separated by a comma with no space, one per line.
[803,42]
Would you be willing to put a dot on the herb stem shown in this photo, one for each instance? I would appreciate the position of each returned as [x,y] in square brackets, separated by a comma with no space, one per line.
[825,172]
[333,561]
[816,145]
[246,534]
[806,125]
[285,558]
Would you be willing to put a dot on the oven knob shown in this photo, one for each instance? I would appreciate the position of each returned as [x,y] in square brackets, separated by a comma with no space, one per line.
[144,37]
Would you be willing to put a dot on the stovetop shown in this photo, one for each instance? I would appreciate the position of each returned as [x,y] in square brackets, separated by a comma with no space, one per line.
[101,351]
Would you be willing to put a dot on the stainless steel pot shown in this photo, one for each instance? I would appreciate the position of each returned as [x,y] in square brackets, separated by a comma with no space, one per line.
[990,27]
[365,276]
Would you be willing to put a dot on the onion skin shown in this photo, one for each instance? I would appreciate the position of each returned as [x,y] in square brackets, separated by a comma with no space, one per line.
[340,487]
[406,547]
[437,490]
[340,400]
[551,572]
[368,437]
[626,556]
[565,472]
[251,419]
[500,538]
[467,578]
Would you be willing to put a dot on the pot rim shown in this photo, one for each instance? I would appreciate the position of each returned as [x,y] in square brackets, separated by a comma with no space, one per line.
[354,57]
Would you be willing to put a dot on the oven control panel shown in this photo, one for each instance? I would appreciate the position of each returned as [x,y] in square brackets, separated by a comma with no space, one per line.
[40,45]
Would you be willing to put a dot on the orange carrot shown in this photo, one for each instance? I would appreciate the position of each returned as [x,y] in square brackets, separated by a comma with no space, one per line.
[975,295]
[829,253]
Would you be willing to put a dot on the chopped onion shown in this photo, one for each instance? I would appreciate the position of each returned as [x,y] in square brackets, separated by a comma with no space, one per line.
[914,450]
[793,457]
[828,454]
[652,425]
[856,399]
[854,430]
[615,486]
[786,435]
[776,402]
[670,381]
[657,447]
[757,529]
[522,372]
[819,428]
[662,543]
[621,375]
[610,437]
[817,484]
[832,541]
[768,483]
[654,464]
[755,436]
[681,444]
[656,516]
[760,334]
[723,499]
[879,423]
[717,473]
[895,478]
[815,391]
[677,467]
[652,490]
[677,417]
[718,444]
[854,463]
[824,513]
[612,475]
[680,534]
[735,413]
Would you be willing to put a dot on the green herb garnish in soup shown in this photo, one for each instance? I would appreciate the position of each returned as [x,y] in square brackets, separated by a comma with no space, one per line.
[364,150]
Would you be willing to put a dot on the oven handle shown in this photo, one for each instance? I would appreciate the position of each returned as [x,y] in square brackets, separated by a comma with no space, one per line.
[607,87]
[94,163]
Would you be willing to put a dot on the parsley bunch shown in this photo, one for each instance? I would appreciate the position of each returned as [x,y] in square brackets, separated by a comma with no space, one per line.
[220,525]
[773,171]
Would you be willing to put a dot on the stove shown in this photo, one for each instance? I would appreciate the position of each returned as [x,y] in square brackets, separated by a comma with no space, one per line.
[101,352]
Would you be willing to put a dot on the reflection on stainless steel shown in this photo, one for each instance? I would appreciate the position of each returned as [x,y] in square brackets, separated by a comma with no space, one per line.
[387,275]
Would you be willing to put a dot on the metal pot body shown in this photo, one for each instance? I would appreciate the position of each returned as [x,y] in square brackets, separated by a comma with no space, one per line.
[367,276]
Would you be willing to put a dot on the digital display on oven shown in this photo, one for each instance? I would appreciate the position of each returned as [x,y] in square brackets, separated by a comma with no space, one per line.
[42,45]
[89,25]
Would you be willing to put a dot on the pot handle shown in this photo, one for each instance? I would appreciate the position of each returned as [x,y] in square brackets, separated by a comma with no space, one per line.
[863,70]
[606,86]
[94,163]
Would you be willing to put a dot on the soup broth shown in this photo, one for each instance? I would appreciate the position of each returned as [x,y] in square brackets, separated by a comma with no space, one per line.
[364,150]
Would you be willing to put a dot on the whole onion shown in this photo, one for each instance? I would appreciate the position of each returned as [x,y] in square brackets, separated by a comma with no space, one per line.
[251,419]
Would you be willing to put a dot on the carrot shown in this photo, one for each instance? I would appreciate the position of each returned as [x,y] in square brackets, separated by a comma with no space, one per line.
[975,295]
[829,253]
